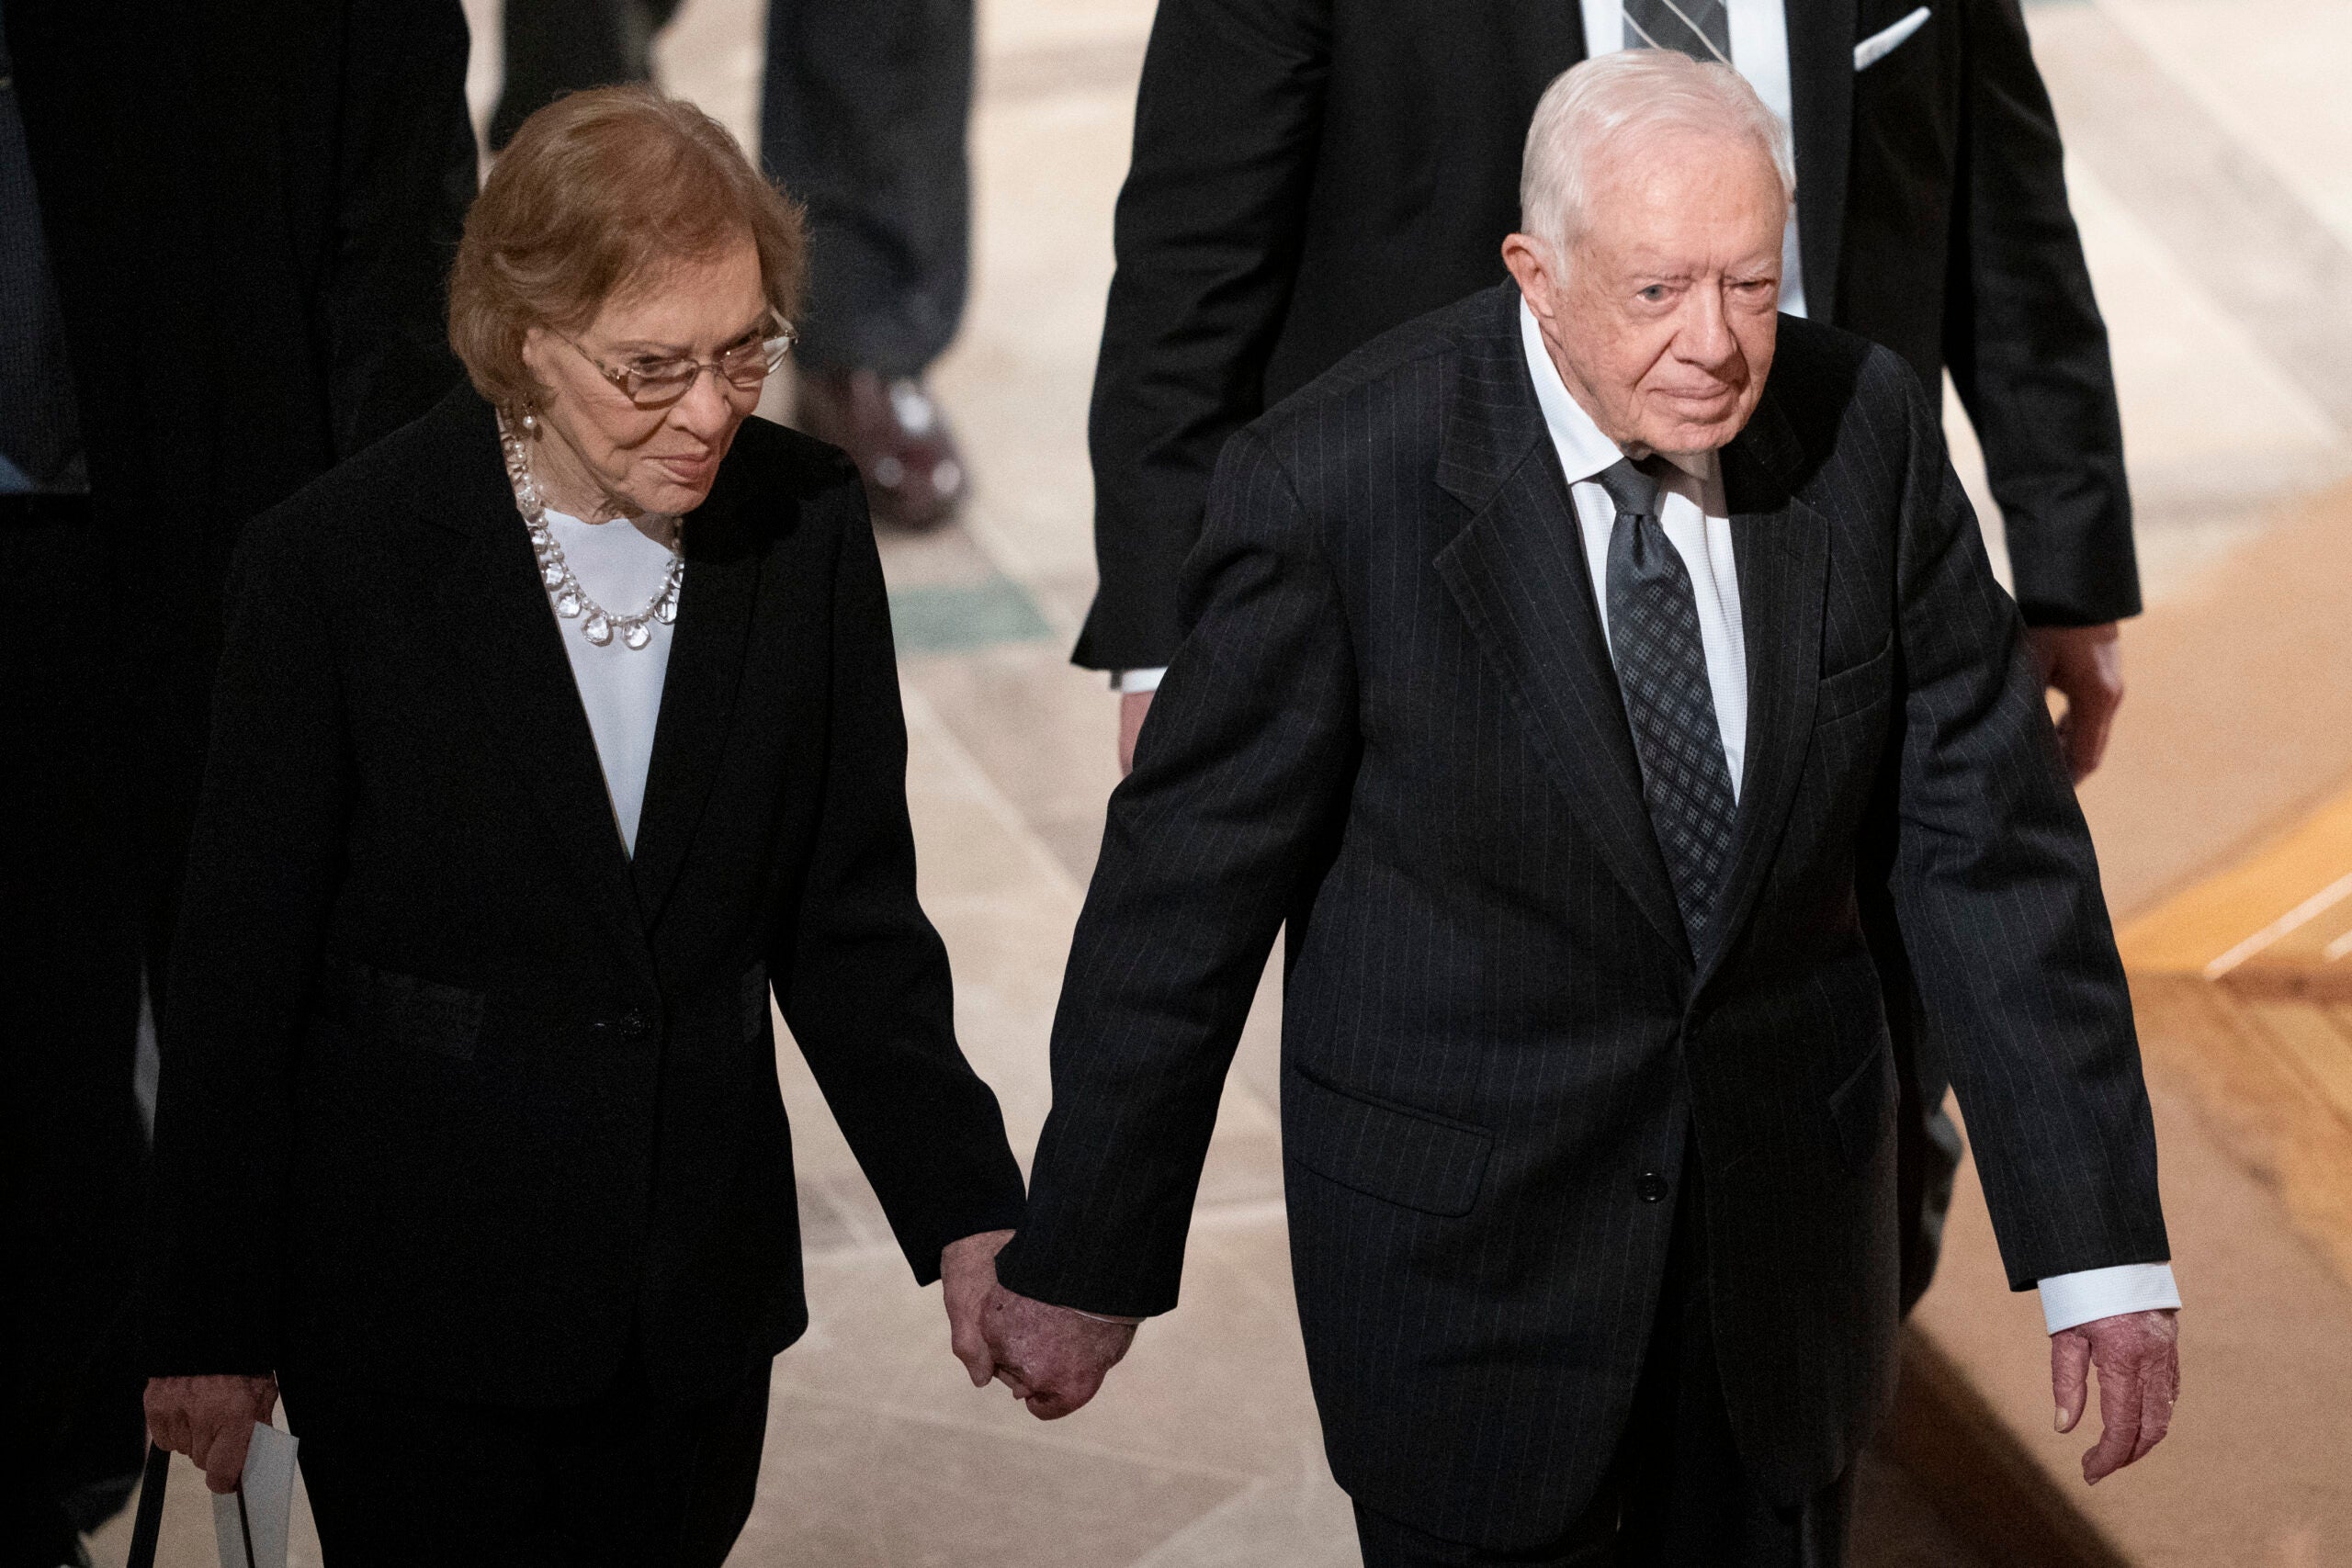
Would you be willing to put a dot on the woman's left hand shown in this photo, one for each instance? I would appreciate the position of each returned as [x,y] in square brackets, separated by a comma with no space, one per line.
[967,1275]
[212,1420]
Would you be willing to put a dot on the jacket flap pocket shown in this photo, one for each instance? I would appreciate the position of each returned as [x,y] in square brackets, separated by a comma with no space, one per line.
[1862,1108]
[1384,1151]
[445,1020]
[1854,688]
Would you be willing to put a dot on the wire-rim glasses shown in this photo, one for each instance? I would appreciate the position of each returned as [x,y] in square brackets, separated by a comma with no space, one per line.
[658,383]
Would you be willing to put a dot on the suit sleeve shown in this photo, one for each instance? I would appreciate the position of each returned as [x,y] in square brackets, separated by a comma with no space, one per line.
[266,850]
[1240,779]
[863,977]
[405,175]
[1995,891]
[2025,345]
[1209,233]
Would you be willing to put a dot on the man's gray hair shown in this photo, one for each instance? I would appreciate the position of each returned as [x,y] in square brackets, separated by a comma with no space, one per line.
[1590,110]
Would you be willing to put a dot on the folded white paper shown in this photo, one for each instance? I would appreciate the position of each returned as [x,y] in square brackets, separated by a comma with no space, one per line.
[250,1524]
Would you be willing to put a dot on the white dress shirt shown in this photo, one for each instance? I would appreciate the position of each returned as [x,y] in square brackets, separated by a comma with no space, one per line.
[620,686]
[1759,51]
[1694,515]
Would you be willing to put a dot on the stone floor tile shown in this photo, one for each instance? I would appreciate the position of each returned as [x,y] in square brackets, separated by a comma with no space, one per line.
[845,1487]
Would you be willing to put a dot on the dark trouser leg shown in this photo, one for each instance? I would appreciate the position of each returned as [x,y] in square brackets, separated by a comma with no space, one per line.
[1678,1496]
[554,46]
[1684,1493]
[1390,1544]
[73,1151]
[628,1480]
[863,119]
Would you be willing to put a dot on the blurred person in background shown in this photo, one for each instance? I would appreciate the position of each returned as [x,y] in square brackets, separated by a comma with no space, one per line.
[865,108]
[1307,174]
[554,46]
[556,734]
[222,237]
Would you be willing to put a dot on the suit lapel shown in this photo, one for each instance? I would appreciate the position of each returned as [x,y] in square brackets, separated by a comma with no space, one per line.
[1519,574]
[1781,549]
[1821,94]
[715,604]
[513,662]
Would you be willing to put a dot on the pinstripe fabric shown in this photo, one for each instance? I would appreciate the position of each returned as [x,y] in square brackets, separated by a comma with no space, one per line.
[1394,726]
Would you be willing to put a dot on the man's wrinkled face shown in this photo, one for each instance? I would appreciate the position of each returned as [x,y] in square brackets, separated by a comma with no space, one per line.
[1662,320]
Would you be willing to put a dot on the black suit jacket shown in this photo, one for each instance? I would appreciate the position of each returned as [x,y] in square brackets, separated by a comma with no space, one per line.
[251,209]
[1394,725]
[1307,174]
[459,1095]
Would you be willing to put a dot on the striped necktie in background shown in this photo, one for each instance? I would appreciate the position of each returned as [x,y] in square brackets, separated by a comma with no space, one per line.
[1700,29]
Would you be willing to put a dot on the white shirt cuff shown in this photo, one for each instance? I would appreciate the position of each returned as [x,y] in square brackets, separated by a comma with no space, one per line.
[2069,1300]
[1126,682]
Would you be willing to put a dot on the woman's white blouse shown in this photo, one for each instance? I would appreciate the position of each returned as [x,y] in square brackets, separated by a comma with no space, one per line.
[620,687]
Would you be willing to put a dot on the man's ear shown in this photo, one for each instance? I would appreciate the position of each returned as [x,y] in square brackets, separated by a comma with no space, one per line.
[1534,266]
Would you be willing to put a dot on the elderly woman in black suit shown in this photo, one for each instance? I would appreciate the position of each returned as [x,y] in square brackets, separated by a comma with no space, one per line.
[552,733]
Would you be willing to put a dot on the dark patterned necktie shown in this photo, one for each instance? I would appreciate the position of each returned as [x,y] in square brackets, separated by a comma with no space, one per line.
[1662,670]
[1700,29]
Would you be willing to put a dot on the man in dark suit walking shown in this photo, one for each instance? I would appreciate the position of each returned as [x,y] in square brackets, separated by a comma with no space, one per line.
[1308,176]
[1567,669]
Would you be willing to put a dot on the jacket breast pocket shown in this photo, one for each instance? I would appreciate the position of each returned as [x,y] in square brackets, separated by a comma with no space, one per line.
[1856,688]
[379,1004]
[1402,1156]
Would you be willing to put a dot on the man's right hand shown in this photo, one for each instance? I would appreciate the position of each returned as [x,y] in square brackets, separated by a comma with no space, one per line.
[211,1419]
[1133,705]
[1052,1357]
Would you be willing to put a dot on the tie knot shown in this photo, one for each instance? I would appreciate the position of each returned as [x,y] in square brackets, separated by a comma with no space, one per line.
[1635,491]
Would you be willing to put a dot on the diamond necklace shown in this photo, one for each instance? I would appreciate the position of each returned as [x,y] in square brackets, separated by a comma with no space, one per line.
[571,600]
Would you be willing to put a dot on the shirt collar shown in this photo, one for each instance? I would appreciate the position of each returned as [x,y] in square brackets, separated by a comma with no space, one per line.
[1583,450]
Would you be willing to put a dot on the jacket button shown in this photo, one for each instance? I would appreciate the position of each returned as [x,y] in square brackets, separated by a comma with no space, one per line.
[1651,1187]
[635,1024]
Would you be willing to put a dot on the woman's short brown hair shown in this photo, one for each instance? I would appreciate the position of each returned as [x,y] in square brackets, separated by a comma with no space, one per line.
[597,193]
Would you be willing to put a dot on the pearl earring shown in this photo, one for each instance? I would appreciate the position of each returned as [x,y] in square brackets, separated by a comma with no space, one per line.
[530,419]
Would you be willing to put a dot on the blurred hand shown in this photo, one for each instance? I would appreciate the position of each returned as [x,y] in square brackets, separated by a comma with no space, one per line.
[2085,665]
[1049,1356]
[967,1277]
[1133,705]
[2138,1358]
[211,1419]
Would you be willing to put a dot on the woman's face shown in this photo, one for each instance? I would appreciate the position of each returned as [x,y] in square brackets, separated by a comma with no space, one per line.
[598,455]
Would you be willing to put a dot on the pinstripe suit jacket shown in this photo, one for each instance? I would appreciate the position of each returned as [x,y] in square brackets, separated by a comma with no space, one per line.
[1395,726]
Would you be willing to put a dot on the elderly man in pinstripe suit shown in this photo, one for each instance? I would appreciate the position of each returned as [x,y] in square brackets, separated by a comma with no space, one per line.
[1570,669]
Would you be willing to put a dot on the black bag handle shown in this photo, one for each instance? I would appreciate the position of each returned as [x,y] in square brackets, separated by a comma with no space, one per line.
[149,1525]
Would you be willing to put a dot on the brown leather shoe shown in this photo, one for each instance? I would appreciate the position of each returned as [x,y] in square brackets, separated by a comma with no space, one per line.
[895,435]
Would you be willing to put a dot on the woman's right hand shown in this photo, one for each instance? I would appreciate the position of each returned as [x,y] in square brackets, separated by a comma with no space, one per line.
[211,1419]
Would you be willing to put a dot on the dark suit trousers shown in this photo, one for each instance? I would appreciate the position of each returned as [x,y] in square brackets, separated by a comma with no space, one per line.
[628,1480]
[863,119]
[1677,1496]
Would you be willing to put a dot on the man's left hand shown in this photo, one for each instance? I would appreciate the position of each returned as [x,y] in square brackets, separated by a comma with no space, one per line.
[1052,1357]
[2085,665]
[966,1278]
[2138,1357]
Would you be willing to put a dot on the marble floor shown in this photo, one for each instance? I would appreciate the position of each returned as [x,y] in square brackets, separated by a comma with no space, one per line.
[2210,162]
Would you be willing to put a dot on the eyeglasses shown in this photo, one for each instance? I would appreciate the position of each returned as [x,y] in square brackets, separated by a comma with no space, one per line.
[658,383]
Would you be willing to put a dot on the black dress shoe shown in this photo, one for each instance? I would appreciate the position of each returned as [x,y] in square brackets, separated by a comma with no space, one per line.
[896,436]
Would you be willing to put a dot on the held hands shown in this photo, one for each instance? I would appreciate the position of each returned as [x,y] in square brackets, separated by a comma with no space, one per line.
[1052,1357]
[2138,1357]
[211,1419]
